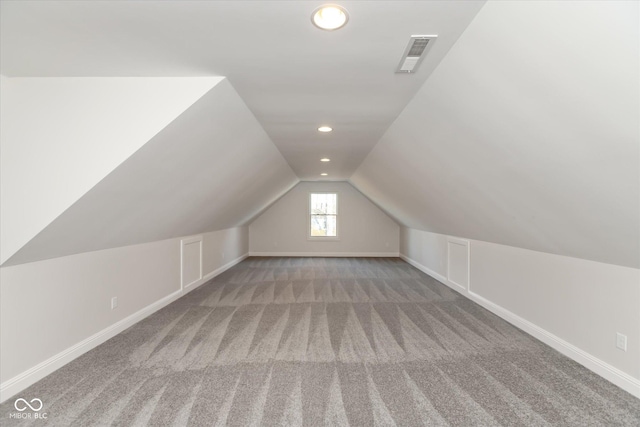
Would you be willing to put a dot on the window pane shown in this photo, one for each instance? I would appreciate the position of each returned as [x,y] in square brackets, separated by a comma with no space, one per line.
[323,207]
[318,225]
[324,203]
[323,225]
[332,229]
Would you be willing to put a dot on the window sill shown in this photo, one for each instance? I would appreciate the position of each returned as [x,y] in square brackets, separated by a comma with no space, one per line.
[323,239]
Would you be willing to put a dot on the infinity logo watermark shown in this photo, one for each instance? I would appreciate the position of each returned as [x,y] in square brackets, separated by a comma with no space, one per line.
[22,405]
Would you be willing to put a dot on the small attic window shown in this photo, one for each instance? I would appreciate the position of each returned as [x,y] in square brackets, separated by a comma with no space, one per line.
[323,216]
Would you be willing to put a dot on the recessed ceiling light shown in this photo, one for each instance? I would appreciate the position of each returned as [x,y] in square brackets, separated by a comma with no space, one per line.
[324,174]
[325,160]
[330,17]
[325,129]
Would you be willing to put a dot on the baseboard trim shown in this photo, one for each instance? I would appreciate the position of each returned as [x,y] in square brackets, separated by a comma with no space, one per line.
[328,254]
[424,269]
[21,381]
[215,273]
[603,369]
[41,370]
[610,373]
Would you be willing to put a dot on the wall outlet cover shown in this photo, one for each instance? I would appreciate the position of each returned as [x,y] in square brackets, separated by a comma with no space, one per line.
[621,341]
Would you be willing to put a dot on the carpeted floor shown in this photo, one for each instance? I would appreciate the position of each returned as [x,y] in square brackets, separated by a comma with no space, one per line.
[326,341]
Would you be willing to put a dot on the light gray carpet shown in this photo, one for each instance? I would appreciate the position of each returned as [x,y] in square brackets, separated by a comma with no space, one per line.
[326,341]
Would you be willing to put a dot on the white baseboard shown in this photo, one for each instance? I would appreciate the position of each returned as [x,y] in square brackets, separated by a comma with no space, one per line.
[327,254]
[41,370]
[439,277]
[23,380]
[605,370]
[610,373]
[215,273]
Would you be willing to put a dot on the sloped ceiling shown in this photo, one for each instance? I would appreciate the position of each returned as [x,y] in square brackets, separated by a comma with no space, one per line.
[61,136]
[211,168]
[527,134]
[293,76]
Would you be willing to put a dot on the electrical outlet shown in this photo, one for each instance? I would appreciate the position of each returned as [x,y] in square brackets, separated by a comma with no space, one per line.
[621,341]
[114,302]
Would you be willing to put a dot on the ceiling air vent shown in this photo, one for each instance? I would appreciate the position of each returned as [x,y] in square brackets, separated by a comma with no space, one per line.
[414,53]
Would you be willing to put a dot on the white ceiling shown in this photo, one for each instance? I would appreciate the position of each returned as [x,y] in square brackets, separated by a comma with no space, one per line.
[100,124]
[524,135]
[291,75]
[530,142]
[182,182]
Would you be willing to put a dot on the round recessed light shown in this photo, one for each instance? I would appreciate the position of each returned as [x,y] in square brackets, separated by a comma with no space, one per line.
[325,160]
[330,17]
[324,129]
[324,174]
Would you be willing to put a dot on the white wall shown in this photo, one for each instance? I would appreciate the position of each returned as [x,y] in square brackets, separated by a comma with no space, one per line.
[363,229]
[48,307]
[60,136]
[224,246]
[574,305]
[527,134]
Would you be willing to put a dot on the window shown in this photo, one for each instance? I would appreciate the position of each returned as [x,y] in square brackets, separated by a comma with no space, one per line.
[323,215]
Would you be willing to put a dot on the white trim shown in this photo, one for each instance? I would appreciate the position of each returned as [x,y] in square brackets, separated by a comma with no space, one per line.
[460,242]
[600,367]
[30,376]
[328,254]
[309,215]
[439,277]
[184,242]
[215,273]
[23,380]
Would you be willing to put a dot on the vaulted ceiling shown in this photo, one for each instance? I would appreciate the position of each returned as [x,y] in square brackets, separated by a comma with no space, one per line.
[515,129]
[211,168]
[523,136]
[293,76]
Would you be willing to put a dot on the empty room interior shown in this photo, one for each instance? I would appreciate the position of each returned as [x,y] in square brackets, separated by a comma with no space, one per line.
[298,213]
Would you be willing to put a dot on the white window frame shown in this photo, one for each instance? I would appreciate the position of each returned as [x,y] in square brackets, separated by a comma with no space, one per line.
[308,222]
